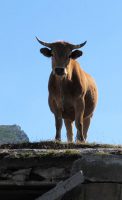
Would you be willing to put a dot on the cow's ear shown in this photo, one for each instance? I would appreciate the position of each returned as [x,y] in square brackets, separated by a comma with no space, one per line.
[46,52]
[75,54]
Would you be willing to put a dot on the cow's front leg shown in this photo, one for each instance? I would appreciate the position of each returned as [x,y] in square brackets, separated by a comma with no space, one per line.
[79,113]
[69,127]
[58,125]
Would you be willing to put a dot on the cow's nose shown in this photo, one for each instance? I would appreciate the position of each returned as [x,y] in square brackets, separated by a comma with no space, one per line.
[59,71]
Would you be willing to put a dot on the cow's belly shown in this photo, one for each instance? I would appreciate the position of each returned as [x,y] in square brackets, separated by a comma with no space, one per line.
[66,105]
[90,104]
[69,111]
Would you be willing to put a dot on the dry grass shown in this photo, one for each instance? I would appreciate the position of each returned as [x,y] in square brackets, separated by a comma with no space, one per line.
[56,145]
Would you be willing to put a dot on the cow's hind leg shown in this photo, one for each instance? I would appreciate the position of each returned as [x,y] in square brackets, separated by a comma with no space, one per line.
[86,124]
[79,112]
[69,126]
[58,124]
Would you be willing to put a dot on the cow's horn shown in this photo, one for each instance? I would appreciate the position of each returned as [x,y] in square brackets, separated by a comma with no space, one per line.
[44,43]
[78,45]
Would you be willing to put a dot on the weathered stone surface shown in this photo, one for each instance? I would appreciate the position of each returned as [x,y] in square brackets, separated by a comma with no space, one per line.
[39,170]
[28,158]
[95,191]
[21,175]
[4,175]
[100,168]
[50,173]
[63,187]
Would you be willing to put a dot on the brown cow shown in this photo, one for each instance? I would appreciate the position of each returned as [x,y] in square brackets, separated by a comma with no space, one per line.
[72,92]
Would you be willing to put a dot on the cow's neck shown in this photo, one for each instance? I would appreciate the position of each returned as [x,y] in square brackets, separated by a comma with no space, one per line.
[60,84]
[60,97]
[60,81]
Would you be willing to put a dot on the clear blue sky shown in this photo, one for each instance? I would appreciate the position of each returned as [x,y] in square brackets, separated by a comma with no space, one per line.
[24,72]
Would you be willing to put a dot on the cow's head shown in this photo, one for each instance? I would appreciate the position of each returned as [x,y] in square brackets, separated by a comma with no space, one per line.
[61,53]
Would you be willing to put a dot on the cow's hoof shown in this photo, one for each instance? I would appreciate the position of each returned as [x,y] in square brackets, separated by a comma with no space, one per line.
[57,140]
[80,141]
[69,141]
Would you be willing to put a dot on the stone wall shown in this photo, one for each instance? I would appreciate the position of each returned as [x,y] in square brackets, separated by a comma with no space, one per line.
[103,178]
[29,173]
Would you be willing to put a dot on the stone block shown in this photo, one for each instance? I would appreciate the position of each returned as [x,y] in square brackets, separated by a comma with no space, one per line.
[50,173]
[95,191]
[99,168]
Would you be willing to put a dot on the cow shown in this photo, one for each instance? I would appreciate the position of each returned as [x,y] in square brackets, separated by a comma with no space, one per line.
[72,92]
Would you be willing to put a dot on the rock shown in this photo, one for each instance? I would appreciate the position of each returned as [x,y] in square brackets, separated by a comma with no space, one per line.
[100,168]
[50,173]
[21,175]
[39,170]
[12,134]
[95,191]
[4,175]
[63,187]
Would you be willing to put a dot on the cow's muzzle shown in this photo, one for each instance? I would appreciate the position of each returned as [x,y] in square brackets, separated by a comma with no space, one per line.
[60,71]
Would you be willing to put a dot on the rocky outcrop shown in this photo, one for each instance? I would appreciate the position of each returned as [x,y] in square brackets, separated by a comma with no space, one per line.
[12,134]
[29,173]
